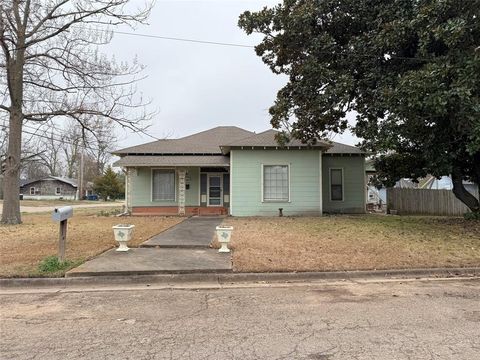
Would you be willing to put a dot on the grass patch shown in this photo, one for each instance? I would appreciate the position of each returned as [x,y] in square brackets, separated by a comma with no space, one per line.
[52,264]
[353,242]
[23,247]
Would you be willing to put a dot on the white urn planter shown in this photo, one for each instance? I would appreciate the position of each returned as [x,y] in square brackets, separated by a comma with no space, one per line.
[123,234]
[224,233]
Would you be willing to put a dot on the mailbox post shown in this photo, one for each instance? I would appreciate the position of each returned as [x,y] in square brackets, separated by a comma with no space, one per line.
[62,215]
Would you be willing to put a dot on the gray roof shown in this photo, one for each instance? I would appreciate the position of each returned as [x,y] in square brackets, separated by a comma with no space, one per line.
[173,160]
[267,139]
[205,142]
[217,141]
[339,148]
[69,181]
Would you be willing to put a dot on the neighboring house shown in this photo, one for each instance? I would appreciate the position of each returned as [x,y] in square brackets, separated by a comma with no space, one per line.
[228,170]
[49,188]
[445,183]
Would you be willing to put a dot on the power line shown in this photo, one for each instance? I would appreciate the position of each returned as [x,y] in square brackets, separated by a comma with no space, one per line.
[52,138]
[179,39]
[252,46]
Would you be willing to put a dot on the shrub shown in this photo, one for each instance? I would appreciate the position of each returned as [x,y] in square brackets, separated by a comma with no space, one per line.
[472,215]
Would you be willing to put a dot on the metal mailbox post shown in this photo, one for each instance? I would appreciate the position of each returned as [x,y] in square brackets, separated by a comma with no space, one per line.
[62,215]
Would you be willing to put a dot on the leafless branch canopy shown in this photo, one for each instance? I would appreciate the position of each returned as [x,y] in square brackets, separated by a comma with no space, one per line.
[64,75]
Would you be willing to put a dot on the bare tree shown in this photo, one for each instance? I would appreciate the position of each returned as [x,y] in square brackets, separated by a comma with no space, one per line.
[52,69]
[71,146]
[48,147]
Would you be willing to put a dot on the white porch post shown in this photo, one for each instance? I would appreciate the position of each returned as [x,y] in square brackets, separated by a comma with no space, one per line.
[181,191]
[128,188]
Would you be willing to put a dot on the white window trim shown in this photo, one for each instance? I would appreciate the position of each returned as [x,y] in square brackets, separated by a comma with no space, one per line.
[262,183]
[174,184]
[58,190]
[330,183]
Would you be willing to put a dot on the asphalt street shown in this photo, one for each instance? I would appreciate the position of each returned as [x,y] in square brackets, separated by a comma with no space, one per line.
[437,319]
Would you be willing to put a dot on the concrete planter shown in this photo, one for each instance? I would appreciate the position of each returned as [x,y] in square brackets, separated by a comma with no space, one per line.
[224,233]
[123,234]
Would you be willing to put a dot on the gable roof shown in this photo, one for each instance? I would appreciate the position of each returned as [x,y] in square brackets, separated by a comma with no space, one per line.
[218,141]
[205,142]
[267,139]
[68,181]
[339,148]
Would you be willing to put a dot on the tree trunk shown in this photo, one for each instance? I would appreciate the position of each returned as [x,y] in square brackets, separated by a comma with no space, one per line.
[11,180]
[461,193]
[11,185]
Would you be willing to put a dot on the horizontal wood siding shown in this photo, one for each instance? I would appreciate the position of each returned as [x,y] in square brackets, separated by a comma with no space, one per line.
[354,186]
[426,202]
[246,173]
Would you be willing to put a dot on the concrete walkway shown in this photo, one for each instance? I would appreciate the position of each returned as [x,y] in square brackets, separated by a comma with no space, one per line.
[182,249]
[143,261]
[192,233]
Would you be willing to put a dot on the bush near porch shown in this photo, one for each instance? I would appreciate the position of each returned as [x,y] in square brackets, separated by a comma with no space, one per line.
[353,242]
[22,247]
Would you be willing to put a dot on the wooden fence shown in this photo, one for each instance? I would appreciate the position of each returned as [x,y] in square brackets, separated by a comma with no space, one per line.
[425,201]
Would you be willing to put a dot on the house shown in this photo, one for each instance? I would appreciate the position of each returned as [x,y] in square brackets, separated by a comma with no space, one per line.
[445,183]
[49,188]
[229,170]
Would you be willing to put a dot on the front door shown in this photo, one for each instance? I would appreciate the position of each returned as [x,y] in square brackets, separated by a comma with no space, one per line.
[215,190]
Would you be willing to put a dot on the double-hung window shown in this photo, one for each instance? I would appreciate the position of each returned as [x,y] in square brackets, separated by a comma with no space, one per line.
[336,184]
[276,183]
[163,185]
[32,191]
[58,191]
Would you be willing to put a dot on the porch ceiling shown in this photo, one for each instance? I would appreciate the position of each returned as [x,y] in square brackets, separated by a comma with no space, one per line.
[173,160]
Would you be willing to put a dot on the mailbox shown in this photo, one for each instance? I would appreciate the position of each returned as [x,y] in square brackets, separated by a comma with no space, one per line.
[63,213]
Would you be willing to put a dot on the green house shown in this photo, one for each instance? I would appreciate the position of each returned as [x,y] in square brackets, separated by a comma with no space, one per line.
[228,170]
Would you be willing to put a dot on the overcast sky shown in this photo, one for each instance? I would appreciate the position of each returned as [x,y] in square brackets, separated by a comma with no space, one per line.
[199,86]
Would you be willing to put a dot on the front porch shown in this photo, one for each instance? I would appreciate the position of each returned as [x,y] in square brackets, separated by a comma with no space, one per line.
[178,190]
[173,210]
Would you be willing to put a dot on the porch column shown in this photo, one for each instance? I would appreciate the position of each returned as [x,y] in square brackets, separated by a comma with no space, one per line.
[181,191]
[128,188]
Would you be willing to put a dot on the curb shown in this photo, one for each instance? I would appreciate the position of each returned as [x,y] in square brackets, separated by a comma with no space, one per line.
[231,278]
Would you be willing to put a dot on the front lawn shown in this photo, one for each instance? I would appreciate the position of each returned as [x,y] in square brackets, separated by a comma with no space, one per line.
[353,242]
[22,247]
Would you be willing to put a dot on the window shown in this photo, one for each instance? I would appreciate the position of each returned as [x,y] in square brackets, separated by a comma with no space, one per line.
[32,191]
[57,191]
[336,184]
[275,183]
[163,185]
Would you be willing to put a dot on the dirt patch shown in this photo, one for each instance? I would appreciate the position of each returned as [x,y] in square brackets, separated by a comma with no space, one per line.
[23,246]
[361,242]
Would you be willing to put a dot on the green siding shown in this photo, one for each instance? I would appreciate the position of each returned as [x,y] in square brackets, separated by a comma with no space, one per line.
[354,184]
[141,190]
[246,176]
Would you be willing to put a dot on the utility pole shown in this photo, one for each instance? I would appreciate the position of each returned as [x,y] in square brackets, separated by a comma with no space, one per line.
[80,176]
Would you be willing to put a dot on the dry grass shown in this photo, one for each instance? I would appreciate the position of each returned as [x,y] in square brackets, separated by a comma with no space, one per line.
[22,247]
[353,242]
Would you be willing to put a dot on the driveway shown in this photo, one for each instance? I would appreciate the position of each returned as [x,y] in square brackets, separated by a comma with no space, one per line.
[42,209]
[438,319]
